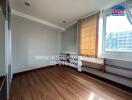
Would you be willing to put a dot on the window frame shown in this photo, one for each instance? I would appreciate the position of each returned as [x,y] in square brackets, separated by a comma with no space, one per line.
[102,53]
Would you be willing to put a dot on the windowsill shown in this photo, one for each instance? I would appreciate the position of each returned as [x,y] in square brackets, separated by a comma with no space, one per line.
[118,51]
[91,59]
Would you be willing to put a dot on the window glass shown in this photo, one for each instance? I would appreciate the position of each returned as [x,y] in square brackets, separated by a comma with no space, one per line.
[118,34]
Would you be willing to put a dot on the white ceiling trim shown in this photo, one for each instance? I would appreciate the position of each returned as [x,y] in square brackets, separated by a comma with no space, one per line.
[15,12]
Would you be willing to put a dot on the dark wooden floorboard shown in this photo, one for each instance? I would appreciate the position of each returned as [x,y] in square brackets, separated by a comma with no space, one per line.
[61,83]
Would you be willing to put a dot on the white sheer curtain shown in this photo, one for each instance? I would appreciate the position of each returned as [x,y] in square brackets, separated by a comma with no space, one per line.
[128,5]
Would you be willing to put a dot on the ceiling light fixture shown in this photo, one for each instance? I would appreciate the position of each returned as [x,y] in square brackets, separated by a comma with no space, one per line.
[64,21]
[27,4]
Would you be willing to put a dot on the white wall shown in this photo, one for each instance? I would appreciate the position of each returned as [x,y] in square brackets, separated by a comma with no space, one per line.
[30,39]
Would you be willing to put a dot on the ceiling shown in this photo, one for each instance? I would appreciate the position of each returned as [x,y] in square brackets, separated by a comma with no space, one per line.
[57,11]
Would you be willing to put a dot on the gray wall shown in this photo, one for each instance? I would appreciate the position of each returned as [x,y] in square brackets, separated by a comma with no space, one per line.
[31,39]
[69,40]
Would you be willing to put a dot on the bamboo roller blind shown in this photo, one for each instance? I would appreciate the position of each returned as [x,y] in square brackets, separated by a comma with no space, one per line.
[88,36]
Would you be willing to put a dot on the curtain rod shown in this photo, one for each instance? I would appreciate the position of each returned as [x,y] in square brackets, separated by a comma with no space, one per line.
[90,14]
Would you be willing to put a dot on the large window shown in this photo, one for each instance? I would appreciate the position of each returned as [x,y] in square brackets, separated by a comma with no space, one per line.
[118,35]
[88,36]
[115,36]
